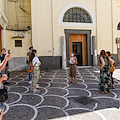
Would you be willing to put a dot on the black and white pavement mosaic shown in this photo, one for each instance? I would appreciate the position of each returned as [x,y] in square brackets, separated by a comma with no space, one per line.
[57,97]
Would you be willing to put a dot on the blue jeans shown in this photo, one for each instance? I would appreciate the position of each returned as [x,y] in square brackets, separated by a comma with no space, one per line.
[30,76]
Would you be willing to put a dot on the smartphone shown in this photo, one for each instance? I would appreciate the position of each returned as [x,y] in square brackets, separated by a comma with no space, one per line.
[9,52]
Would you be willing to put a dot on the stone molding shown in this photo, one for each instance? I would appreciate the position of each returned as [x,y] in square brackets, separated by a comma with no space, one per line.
[74,31]
[71,5]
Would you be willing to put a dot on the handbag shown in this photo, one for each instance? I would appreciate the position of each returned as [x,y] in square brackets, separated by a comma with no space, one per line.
[3,95]
[111,67]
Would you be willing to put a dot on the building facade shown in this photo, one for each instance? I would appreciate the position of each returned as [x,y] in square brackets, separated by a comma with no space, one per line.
[56,27]
[17,36]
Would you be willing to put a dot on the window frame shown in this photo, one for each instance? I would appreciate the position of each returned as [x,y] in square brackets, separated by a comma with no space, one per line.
[20,43]
[119,26]
[79,5]
[70,13]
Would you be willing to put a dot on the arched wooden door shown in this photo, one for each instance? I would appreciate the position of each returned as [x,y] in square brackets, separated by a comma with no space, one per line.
[77,42]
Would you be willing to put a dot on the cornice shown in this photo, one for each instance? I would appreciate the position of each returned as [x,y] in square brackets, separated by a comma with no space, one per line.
[3,19]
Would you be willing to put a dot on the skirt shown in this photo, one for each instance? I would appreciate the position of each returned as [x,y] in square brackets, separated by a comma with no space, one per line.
[105,83]
[72,70]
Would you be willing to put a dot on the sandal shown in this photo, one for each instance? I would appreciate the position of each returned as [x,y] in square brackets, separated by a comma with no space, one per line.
[71,81]
[75,82]
[105,92]
[101,91]
[109,90]
[113,86]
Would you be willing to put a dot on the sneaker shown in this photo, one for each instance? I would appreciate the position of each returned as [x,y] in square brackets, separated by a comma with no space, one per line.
[31,88]
[36,91]
[30,82]
[37,86]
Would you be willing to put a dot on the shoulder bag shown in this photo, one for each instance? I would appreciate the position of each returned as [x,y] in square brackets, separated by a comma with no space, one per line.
[111,67]
[3,95]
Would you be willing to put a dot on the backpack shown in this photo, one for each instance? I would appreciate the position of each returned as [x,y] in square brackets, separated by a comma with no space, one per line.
[111,67]
[30,67]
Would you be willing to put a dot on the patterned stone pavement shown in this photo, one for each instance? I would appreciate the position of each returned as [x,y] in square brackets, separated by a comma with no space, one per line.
[59,100]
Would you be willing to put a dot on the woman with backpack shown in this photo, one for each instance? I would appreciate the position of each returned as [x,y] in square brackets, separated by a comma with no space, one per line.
[36,72]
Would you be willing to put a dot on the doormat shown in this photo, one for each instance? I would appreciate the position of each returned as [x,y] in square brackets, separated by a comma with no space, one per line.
[85,100]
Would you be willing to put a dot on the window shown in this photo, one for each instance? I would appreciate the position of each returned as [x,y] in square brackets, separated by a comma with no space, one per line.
[118,27]
[18,43]
[77,15]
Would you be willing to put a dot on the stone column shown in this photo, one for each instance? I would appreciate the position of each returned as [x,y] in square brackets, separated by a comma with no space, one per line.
[3,38]
[118,50]
[94,50]
[63,53]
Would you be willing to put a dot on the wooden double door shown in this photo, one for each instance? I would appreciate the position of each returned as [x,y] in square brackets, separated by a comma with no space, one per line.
[77,43]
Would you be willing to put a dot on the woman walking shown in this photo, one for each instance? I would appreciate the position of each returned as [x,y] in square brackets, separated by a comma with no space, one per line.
[109,55]
[72,64]
[105,82]
[36,72]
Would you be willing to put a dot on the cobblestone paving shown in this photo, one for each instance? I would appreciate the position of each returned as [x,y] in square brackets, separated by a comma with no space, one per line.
[57,98]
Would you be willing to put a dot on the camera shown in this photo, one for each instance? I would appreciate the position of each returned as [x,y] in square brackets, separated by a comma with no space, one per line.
[9,52]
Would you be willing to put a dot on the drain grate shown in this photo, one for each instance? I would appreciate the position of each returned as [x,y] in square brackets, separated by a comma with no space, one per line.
[85,100]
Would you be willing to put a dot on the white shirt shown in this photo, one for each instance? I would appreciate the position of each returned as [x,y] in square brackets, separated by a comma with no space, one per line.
[35,60]
[72,58]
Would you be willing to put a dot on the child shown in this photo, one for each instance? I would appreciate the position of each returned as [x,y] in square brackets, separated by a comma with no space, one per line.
[36,72]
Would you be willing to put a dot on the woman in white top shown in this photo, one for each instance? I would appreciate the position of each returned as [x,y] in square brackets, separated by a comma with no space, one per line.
[36,72]
[72,64]
[4,77]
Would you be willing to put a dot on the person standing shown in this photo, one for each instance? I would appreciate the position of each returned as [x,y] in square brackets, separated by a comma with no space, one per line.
[72,64]
[2,57]
[31,56]
[4,77]
[28,54]
[109,55]
[105,82]
[36,72]
[30,51]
